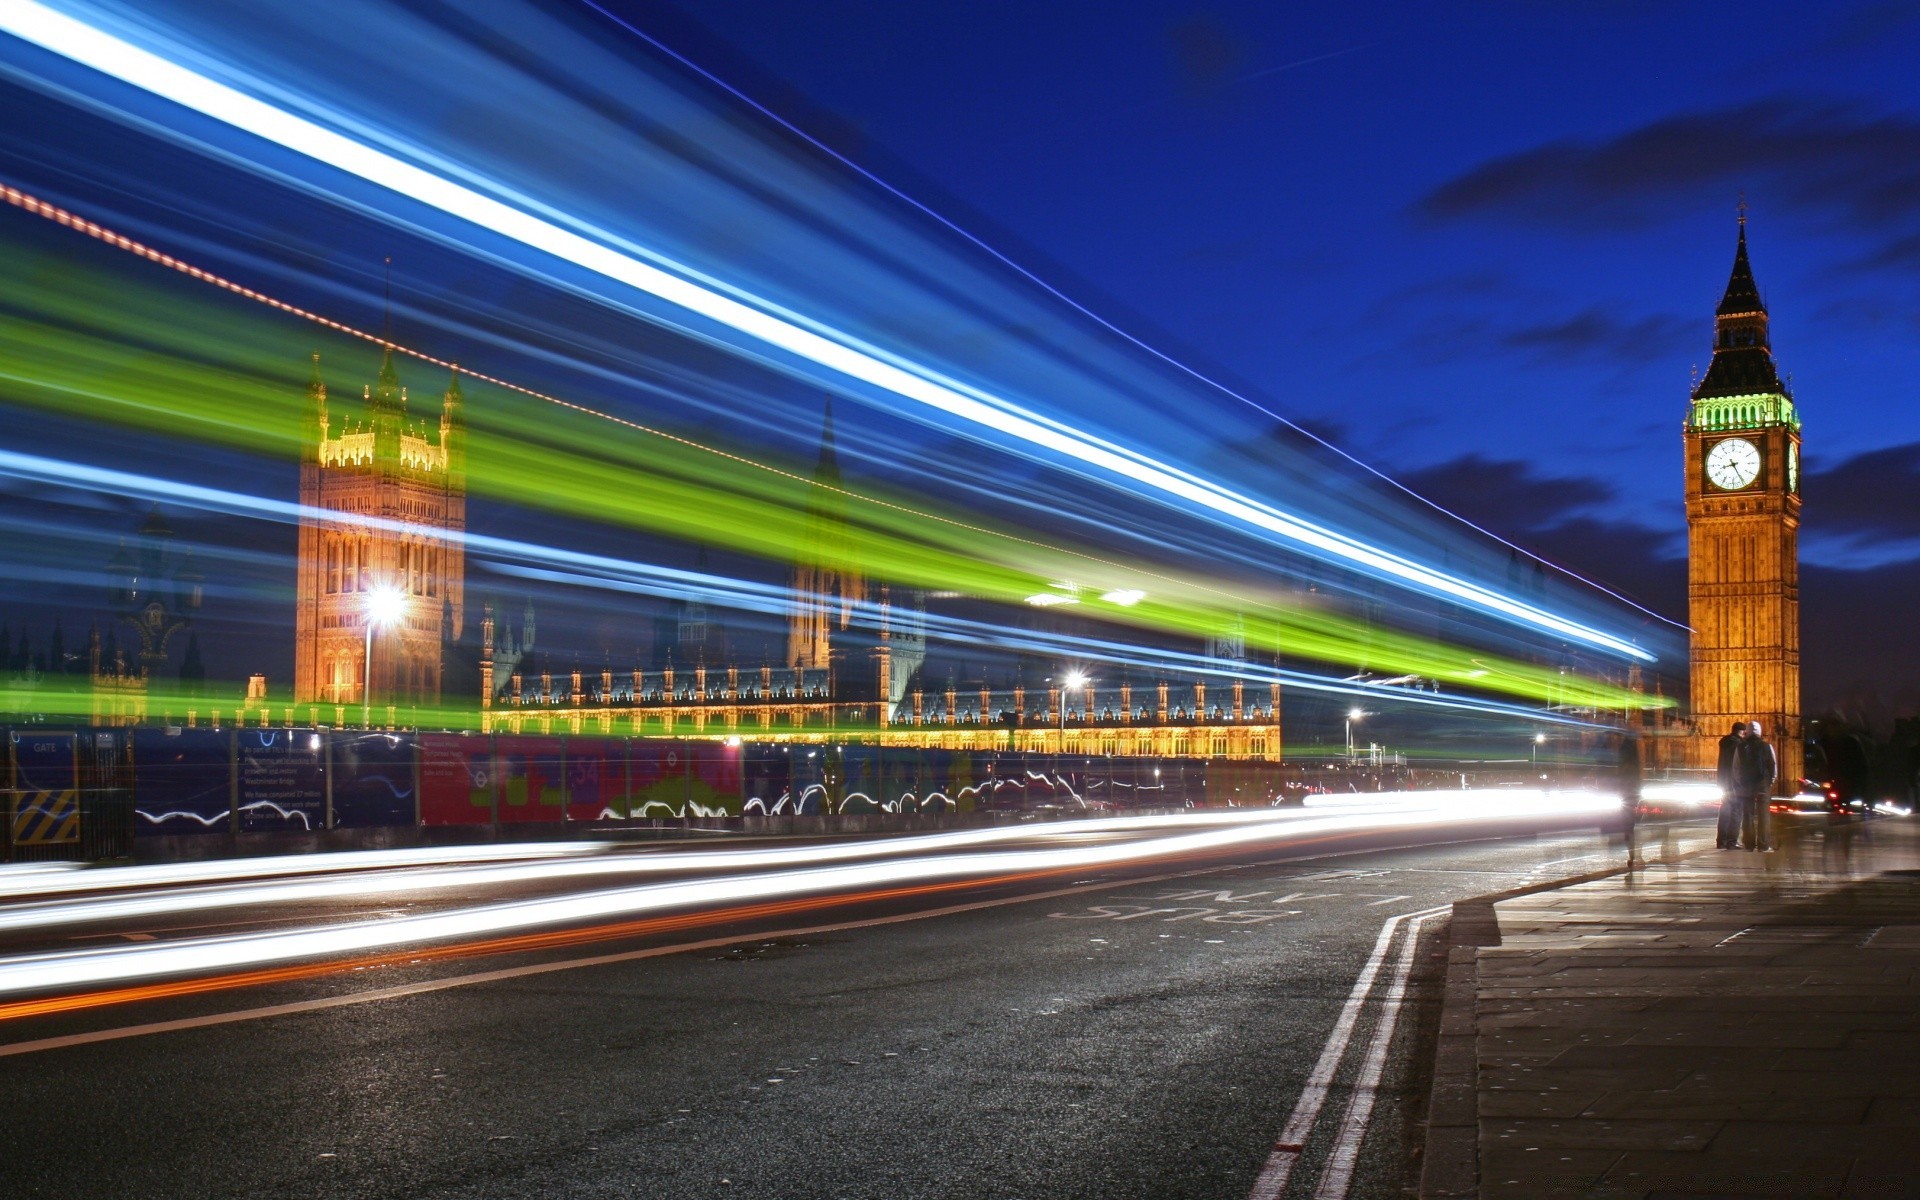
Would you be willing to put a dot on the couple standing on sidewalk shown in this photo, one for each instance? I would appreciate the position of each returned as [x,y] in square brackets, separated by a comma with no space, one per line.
[1747,771]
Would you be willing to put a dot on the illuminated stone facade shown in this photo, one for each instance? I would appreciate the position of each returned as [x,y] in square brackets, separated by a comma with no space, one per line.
[1743,520]
[855,652]
[1237,720]
[400,488]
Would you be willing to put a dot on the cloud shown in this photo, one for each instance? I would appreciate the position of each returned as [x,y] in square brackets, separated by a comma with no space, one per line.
[1600,333]
[1554,517]
[1859,167]
[1471,315]
[1504,495]
[1205,52]
[1864,510]
[1870,25]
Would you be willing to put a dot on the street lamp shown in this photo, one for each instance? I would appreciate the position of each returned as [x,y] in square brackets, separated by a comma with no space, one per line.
[1073,682]
[384,607]
[1538,740]
[1353,714]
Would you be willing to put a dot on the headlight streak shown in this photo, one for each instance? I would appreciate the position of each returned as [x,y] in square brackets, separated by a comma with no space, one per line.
[364,877]
[1040,282]
[52,879]
[92,47]
[117,964]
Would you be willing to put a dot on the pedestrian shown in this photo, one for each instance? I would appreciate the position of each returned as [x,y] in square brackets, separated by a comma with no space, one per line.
[1628,775]
[1754,770]
[1731,801]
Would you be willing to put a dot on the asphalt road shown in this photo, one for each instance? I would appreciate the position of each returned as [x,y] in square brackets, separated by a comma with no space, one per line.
[1124,1034]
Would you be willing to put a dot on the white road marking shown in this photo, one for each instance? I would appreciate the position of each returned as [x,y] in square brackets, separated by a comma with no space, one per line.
[1345,1155]
[1272,1180]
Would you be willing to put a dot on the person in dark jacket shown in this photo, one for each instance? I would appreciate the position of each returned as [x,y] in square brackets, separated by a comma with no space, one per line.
[1732,803]
[1754,770]
[1627,772]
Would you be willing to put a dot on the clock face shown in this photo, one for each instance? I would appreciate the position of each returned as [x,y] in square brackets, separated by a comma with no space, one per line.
[1733,463]
[1793,468]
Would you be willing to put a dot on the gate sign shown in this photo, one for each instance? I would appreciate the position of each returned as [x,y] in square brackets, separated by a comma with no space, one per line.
[46,807]
[282,786]
[181,780]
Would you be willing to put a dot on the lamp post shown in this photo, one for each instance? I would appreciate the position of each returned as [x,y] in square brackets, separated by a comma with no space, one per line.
[1073,681]
[1353,714]
[1538,740]
[384,606]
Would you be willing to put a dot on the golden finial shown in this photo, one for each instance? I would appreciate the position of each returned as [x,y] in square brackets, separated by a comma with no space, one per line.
[1742,207]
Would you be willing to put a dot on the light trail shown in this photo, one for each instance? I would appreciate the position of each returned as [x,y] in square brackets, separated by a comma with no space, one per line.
[552,940]
[95,968]
[1057,293]
[759,320]
[371,873]
[49,879]
[54,363]
[605,571]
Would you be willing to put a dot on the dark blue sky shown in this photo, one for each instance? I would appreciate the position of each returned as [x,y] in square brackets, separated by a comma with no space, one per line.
[1479,243]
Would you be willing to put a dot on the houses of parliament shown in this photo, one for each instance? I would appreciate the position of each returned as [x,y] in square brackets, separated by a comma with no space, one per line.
[383,498]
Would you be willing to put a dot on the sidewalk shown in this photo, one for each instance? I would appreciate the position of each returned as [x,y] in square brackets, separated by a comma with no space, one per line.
[1727,1025]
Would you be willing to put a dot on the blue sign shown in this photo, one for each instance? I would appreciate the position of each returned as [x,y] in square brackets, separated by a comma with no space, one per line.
[182,781]
[282,782]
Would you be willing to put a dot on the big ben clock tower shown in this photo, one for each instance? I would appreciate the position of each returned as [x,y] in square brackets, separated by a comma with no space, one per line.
[1743,525]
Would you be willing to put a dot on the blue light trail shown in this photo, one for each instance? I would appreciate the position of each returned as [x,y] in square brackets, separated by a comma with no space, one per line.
[616,258]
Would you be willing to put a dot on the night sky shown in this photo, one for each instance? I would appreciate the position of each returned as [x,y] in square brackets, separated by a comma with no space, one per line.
[1478,245]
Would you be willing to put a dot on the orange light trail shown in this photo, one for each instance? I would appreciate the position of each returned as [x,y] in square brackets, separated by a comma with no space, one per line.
[549,940]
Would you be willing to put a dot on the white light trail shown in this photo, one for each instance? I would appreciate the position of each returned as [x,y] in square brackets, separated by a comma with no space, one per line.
[273,881]
[71,38]
[123,964]
[70,878]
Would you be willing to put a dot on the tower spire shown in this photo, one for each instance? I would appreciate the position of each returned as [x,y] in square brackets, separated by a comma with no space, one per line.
[1742,359]
[1742,294]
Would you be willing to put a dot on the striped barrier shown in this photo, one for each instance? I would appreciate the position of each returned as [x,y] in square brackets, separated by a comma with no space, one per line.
[45,818]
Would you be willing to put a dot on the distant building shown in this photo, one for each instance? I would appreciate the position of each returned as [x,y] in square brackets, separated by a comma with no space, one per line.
[1743,520]
[399,488]
[386,514]
[855,661]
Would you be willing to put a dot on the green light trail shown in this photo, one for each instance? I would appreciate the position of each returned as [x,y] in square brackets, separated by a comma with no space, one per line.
[104,348]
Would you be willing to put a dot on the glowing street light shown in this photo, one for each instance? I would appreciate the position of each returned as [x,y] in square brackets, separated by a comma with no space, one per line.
[384,607]
[1353,714]
[1538,740]
[1074,681]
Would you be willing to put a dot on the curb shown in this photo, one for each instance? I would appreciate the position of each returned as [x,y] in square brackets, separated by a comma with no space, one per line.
[1450,1164]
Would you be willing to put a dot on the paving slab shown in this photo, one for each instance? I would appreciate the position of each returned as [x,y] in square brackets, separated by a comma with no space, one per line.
[1722,1023]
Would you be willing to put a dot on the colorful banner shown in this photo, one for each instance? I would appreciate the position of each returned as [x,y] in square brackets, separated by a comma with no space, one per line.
[457,783]
[596,779]
[282,782]
[658,768]
[713,779]
[532,778]
[182,780]
[372,779]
